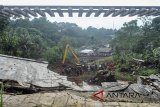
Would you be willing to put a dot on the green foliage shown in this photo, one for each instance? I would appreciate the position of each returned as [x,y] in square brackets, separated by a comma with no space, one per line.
[156,52]
[3,24]
[39,37]
[126,37]
[103,60]
[22,42]
[124,76]
[54,32]
[1,95]
[147,72]
[53,54]
[141,42]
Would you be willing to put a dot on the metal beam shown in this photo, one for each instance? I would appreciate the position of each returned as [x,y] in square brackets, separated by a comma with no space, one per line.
[118,12]
[156,13]
[100,10]
[27,10]
[5,14]
[128,12]
[109,12]
[70,12]
[152,13]
[40,12]
[50,12]
[17,10]
[89,12]
[147,12]
[9,11]
[2,15]
[1,7]
[84,7]
[60,12]
[80,13]
[137,12]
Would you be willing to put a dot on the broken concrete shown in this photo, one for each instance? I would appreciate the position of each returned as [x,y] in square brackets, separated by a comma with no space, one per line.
[141,89]
[63,99]
[114,86]
[27,73]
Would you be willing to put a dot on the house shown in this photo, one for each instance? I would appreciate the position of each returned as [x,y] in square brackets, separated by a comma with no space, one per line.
[104,51]
[86,52]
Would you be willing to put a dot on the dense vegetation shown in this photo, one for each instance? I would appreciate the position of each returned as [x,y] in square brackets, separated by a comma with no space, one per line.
[40,38]
[138,42]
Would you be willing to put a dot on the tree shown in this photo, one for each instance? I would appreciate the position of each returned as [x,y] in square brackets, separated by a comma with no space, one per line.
[127,36]
[33,38]
[3,24]
[53,54]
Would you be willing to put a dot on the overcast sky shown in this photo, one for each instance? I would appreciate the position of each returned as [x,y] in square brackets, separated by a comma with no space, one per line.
[98,22]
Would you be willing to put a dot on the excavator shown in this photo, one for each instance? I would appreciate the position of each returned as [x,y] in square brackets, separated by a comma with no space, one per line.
[67,49]
[75,70]
[65,67]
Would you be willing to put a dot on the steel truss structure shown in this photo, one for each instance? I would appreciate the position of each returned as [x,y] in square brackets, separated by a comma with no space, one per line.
[28,11]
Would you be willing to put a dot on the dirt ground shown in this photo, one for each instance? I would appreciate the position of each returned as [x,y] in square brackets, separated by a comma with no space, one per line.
[63,99]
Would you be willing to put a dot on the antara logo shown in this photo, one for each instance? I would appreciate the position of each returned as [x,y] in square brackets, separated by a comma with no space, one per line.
[99,95]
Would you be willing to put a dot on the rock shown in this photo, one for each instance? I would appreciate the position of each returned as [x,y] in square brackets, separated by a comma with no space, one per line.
[114,86]
[157,93]
[155,96]
[141,79]
[141,89]
[102,76]
[156,85]
[155,77]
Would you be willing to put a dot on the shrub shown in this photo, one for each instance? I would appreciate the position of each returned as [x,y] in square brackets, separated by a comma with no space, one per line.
[124,76]
[53,54]
[147,72]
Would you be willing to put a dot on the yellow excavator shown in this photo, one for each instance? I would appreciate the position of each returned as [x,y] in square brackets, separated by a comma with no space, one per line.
[73,77]
[67,49]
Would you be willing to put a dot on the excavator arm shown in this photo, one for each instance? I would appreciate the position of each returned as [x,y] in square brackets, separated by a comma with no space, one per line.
[74,54]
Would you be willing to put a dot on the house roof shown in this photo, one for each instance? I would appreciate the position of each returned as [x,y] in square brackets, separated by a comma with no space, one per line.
[104,50]
[87,51]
